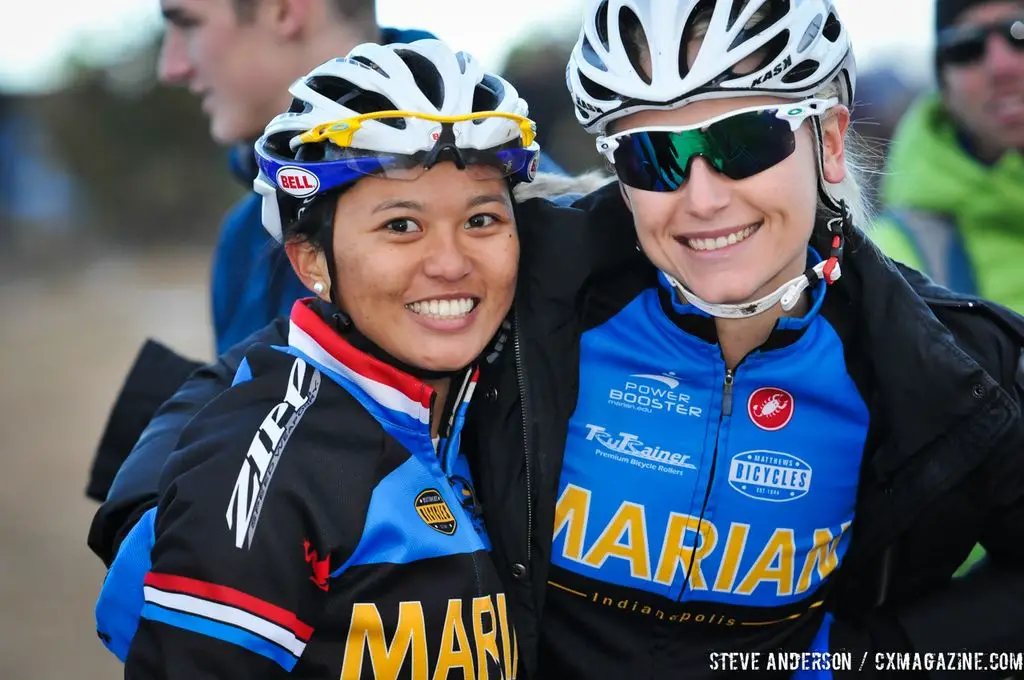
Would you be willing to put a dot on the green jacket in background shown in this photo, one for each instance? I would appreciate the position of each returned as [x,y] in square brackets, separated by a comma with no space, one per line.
[950,216]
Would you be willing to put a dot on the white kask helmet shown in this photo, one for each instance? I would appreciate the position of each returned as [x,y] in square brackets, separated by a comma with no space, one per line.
[804,43]
[424,77]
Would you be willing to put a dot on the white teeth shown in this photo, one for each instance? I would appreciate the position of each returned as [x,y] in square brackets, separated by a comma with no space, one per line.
[443,309]
[722,241]
[1008,106]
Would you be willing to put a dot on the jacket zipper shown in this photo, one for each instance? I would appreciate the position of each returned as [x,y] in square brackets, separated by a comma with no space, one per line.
[730,376]
[726,396]
[521,380]
[443,452]
[445,436]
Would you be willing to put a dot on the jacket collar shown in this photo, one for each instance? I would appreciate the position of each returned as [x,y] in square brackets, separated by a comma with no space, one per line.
[403,401]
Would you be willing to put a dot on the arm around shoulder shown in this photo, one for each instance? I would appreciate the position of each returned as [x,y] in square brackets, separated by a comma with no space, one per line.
[136,485]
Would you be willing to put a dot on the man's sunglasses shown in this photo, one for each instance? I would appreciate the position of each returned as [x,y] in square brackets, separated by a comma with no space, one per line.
[960,46]
[738,144]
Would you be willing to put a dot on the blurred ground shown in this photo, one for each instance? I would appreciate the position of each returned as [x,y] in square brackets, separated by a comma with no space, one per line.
[67,343]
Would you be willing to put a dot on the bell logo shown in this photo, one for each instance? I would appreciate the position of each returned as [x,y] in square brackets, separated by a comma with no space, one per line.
[297,182]
[534,164]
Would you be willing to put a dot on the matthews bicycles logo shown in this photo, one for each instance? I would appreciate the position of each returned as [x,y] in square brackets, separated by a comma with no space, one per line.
[770,476]
[432,509]
[653,393]
[261,460]
[628,448]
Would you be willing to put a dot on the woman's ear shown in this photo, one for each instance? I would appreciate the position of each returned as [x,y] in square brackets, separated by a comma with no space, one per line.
[310,265]
[833,144]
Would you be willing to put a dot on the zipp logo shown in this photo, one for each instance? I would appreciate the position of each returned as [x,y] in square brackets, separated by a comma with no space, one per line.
[250,490]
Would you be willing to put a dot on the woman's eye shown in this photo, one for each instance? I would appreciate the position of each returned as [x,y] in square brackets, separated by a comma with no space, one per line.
[479,221]
[403,226]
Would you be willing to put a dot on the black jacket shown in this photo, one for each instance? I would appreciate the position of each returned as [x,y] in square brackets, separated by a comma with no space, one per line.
[949,474]
[315,514]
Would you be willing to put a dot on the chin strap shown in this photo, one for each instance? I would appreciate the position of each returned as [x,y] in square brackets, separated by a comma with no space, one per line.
[788,294]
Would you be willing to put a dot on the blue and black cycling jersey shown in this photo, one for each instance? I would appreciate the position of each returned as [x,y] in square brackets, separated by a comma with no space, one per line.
[699,507]
[316,532]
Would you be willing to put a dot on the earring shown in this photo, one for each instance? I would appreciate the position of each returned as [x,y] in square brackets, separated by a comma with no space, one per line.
[319,288]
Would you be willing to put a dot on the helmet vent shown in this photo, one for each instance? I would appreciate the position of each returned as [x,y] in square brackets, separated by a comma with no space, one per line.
[596,91]
[636,44]
[300,106]
[832,28]
[428,78]
[487,95]
[373,66]
[590,56]
[601,24]
[734,12]
[805,69]
[695,29]
[770,14]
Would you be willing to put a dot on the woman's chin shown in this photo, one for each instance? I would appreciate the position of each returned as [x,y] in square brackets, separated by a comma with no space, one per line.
[724,294]
[444,361]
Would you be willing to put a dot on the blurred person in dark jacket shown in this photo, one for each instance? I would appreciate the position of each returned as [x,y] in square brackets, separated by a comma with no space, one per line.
[238,57]
[954,185]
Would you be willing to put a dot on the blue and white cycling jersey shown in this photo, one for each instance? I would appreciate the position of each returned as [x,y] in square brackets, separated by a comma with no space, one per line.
[713,501]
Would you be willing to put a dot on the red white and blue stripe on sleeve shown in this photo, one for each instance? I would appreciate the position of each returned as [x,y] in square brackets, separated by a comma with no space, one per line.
[226,614]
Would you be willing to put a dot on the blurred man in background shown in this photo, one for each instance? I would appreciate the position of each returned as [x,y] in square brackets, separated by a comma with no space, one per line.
[954,185]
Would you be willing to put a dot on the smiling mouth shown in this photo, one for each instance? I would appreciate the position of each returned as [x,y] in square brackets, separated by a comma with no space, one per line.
[1007,106]
[719,242]
[444,309]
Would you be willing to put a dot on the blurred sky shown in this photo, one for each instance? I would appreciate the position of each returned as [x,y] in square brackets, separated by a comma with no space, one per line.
[36,36]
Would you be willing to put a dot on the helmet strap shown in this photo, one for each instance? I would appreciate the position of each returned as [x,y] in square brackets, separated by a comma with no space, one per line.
[788,294]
